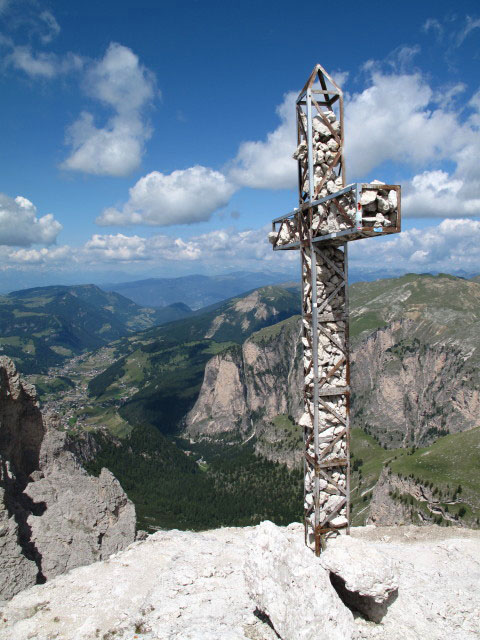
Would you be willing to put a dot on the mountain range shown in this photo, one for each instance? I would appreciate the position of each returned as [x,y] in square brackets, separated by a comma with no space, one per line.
[45,326]
[196,290]
[203,405]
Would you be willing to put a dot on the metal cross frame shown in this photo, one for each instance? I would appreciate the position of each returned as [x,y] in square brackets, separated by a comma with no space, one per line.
[330,214]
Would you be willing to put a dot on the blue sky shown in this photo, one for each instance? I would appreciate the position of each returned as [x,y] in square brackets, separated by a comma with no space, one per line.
[154,138]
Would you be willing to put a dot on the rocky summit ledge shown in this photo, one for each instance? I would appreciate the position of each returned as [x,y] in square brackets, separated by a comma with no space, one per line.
[261,583]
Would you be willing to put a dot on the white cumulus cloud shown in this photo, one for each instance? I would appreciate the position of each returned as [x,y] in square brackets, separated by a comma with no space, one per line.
[216,249]
[268,164]
[450,246]
[117,248]
[20,226]
[436,194]
[397,118]
[394,119]
[121,83]
[181,197]
[43,256]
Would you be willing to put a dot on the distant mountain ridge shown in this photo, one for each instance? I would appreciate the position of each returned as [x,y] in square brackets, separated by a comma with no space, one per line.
[44,326]
[195,290]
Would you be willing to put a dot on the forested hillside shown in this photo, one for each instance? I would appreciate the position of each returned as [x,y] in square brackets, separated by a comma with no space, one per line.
[174,487]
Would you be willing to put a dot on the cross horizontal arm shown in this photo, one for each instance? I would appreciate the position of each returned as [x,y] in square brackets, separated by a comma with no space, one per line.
[357,211]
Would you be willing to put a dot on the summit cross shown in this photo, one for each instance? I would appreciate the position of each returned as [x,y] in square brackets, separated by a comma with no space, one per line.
[329,216]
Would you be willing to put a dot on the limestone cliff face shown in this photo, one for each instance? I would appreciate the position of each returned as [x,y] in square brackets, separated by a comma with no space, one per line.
[53,515]
[85,518]
[273,370]
[21,434]
[407,391]
[398,500]
[246,387]
[222,402]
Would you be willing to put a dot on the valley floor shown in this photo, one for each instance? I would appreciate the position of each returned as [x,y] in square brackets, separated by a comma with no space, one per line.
[190,586]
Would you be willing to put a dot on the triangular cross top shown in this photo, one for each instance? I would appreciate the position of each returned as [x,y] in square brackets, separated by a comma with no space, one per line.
[330,214]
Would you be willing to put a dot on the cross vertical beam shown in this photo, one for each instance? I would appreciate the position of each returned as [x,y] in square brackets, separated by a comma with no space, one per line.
[330,214]
[326,391]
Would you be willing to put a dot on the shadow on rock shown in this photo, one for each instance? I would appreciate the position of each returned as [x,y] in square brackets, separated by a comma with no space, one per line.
[367,606]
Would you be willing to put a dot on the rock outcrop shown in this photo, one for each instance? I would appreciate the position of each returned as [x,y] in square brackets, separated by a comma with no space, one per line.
[284,581]
[363,576]
[220,584]
[21,434]
[85,518]
[222,403]
[53,515]
[408,391]
[246,387]
[398,500]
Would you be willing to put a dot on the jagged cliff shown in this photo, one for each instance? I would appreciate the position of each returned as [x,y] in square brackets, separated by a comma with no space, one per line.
[415,357]
[247,387]
[53,515]
[408,391]
[415,354]
[398,500]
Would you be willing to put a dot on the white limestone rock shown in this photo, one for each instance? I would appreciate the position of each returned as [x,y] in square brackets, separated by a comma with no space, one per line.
[339,521]
[301,151]
[330,116]
[367,197]
[305,420]
[333,145]
[190,586]
[331,186]
[392,199]
[288,585]
[364,569]
[322,129]
[336,126]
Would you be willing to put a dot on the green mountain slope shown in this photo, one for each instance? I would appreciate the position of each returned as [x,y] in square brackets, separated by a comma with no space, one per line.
[172,312]
[439,309]
[157,379]
[235,319]
[414,378]
[446,475]
[42,327]
[156,384]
